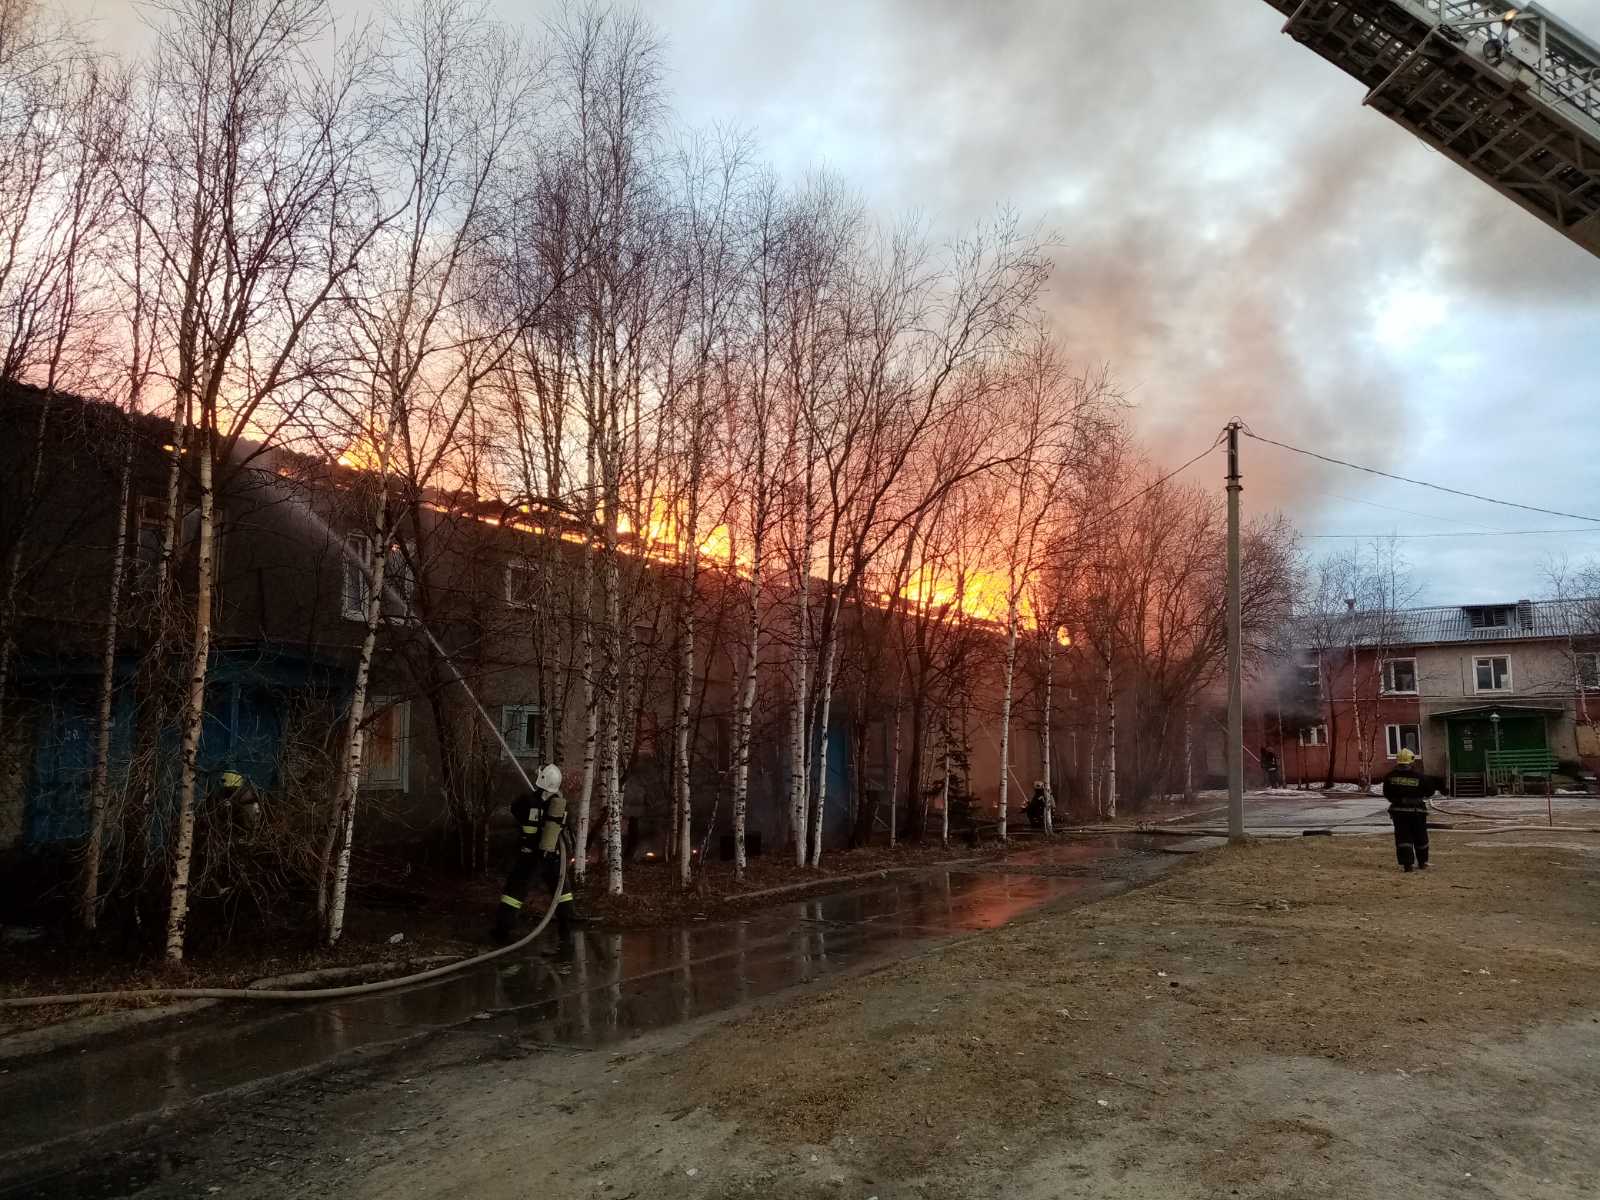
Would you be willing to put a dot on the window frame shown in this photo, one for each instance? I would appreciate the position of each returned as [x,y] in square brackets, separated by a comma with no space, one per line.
[514,567]
[1319,733]
[1509,684]
[1394,738]
[1310,661]
[1592,682]
[354,576]
[397,574]
[514,720]
[1387,677]
[149,515]
[144,561]
[402,582]
[1489,616]
[400,779]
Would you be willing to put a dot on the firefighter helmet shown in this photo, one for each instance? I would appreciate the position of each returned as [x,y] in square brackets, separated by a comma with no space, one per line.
[548,779]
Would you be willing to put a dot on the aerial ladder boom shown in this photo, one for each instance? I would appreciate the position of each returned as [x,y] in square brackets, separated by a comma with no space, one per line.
[1510,93]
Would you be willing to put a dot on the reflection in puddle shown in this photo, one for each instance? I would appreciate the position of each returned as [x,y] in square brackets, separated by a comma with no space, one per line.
[607,987]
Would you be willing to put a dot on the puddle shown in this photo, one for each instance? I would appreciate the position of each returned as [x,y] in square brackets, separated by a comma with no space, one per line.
[606,988]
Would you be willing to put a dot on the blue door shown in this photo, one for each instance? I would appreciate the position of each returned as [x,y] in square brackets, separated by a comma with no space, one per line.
[836,806]
[63,762]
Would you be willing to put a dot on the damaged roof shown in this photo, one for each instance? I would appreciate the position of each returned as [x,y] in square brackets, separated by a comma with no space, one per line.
[1516,620]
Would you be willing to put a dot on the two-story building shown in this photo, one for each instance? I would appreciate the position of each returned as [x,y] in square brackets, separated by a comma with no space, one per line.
[1480,692]
[497,587]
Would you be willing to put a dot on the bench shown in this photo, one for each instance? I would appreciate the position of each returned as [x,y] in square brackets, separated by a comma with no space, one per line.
[1509,770]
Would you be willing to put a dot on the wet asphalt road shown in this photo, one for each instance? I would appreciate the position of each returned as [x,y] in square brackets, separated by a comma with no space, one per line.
[64,1112]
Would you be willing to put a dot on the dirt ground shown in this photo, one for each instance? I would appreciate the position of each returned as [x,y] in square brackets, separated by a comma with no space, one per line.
[1285,1019]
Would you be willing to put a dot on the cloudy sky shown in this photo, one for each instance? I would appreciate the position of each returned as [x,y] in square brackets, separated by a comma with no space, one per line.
[1237,235]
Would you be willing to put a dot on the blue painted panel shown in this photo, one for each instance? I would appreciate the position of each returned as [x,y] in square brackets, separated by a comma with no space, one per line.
[63,760]
[836,807]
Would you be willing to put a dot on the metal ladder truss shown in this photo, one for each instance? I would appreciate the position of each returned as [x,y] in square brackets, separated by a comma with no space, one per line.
[1512,94]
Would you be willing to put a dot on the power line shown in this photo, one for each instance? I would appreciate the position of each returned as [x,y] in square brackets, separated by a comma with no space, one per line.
[1438,487]
[1101,518]
[1410,512]
[1454,533]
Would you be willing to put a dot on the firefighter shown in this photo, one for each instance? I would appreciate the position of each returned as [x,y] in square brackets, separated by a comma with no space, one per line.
[236,797]
[540,815]
[1407,790]
[1269,767]
[1037,804]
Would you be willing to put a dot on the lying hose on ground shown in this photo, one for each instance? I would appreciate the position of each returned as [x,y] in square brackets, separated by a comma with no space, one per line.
[1207,831]
[294,994]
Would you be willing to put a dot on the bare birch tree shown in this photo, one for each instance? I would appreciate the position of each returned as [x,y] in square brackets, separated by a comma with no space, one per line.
[250,215]
[608,69]
[459,94]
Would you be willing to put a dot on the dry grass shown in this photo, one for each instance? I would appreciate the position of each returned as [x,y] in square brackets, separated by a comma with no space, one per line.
[1307,948]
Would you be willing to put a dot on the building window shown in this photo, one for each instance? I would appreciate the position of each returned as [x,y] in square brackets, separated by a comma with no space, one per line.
[1403,737]
[399,582]
[521,584]
[1589,671]
[1489,618]
[357,556]
[523,725]
[1492,674]
[1314,735]
[1400,676]
[1309,673]
[386,748]
[151,521]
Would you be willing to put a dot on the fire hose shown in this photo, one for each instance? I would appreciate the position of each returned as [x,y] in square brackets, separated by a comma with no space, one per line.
[291,995]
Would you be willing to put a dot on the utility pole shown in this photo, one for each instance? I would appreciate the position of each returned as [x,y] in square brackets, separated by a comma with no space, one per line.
[1235,650]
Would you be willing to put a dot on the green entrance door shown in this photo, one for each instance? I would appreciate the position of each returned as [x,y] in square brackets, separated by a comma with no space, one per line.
[1471,736]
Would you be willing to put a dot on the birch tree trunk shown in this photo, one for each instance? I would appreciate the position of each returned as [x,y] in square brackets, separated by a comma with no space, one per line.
[744,713]
[944,830]
[894,769]
[1111,746]
[1044,750]
[341,874]
[680,736]
[591,725]
[824,707]
[1363,745]
[611,587]
[685,720]
[917,804]
[194,712]
[1005,711]
[1188,752]
[1093,763]
[674,812]
[89,886]
[591,698]
[800,743]
[341,821]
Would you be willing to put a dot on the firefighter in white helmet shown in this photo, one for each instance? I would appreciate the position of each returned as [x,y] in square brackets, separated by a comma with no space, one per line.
[540,815]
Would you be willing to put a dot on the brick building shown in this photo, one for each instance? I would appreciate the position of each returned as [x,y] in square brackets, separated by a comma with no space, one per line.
[1485,694]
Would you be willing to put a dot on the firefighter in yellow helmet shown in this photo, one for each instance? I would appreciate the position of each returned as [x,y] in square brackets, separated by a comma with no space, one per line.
[540,815]
[1407,790]
[237,799]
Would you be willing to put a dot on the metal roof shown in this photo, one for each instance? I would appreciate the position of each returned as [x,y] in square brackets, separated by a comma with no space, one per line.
[1526,620]
[1510,708]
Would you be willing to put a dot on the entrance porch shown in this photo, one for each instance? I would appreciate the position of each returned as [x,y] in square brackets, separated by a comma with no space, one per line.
[1492,748]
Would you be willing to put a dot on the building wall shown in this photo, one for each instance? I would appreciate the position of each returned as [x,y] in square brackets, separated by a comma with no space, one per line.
[1543,674]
